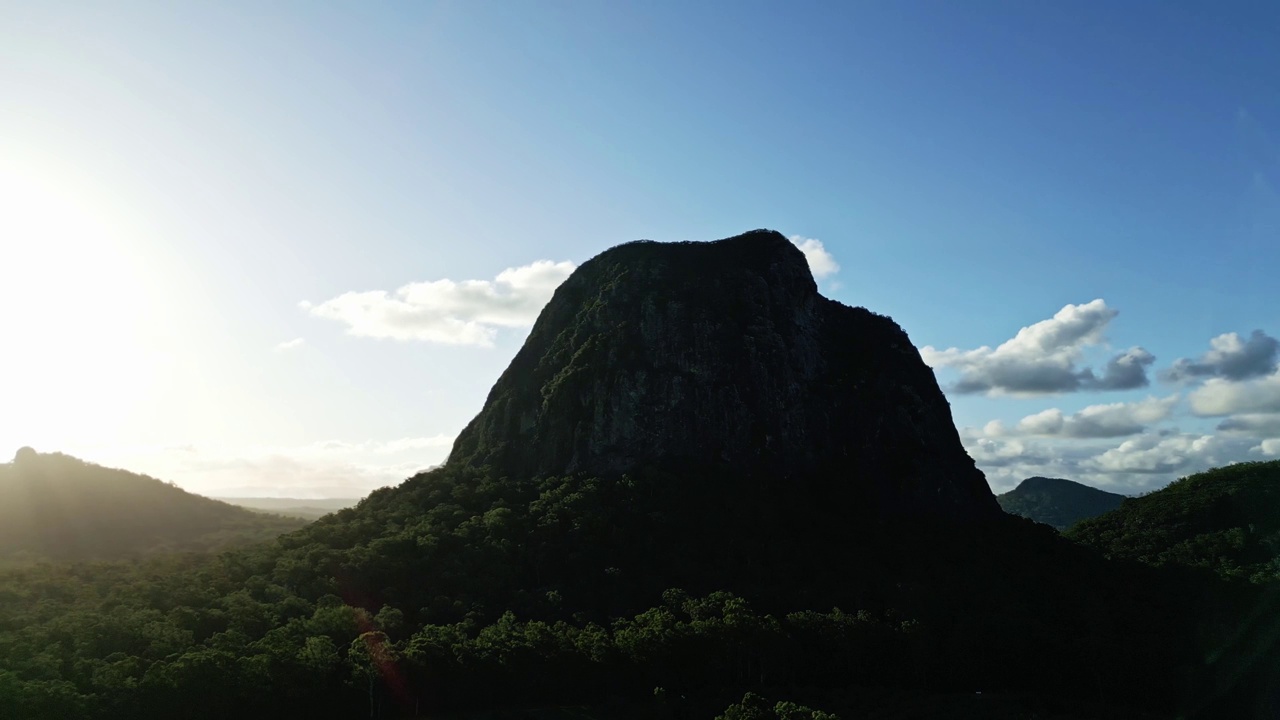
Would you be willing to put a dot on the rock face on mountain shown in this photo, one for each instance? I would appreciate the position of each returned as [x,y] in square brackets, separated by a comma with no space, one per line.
[723,355]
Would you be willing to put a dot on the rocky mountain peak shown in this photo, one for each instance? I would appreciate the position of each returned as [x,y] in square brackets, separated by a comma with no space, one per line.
[722,357]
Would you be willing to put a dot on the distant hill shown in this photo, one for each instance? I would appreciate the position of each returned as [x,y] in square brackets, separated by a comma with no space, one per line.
[1057,502]
[306,508]
[56,506]
[1226,519]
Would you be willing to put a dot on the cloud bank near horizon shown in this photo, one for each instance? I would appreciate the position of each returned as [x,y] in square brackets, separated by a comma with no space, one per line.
[1131,446]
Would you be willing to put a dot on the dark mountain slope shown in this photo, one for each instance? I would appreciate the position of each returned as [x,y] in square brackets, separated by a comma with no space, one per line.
[696,416]
[697,475]
[723,357]
[1057,502]
[1226,520]
[55,506]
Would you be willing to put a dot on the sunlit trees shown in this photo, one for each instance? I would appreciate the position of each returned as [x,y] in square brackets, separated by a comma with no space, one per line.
[373,661]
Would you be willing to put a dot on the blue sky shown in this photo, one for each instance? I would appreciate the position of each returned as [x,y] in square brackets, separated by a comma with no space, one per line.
[207,210]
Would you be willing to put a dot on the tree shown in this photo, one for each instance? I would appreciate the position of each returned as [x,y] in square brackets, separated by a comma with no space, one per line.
[373,661]
[754,707]
[319,655]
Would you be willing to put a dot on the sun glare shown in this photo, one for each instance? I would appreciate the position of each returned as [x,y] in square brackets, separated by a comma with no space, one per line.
[73,312]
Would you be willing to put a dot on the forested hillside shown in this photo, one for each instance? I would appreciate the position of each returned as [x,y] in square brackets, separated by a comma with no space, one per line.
[1057,502]
[1226,520]
[698,485]
[429,596]
[55,506]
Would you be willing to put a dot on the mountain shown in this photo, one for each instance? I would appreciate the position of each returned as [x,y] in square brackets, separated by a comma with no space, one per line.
[306,508]
[697,473]
[1057,502]
[55,506]
[697,478]
[1226,520]
[692,395]
[723,357]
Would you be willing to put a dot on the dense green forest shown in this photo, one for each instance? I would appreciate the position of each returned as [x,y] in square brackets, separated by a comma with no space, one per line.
[461,591]
[1057,502]
[55,506]
[1226,520]
[610,539]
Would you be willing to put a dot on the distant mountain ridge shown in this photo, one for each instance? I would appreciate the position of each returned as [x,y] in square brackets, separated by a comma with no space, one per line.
[307,508]
[56,506]
[1057,501]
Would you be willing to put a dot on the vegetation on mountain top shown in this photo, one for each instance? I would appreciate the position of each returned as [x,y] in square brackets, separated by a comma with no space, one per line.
[1226,520]
[1057,502]
[460,591]
[53,506]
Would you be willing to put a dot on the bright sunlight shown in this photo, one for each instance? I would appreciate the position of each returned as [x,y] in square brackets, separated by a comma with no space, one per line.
[73,308]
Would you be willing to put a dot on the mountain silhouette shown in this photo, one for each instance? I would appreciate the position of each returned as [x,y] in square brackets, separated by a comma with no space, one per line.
[53,505]
[722,357]
[697,478]
[1057,502]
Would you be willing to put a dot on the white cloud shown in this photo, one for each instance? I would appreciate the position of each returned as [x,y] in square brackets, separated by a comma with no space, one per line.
[821,262]
[995,428]
[470,312]
[1043,358]
[1230,357]
[991,452]
[1256,425]
[1008,461]
[1219,396]
[1270,446]
[1125,371]
[1161,454]
[290,345]
[447,312]
[1137,464]
[1099,421]
[1045,422]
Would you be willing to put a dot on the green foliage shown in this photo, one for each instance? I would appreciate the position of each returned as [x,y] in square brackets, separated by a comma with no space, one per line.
[754,707]
[559,591]
[1226,520]
[778,505]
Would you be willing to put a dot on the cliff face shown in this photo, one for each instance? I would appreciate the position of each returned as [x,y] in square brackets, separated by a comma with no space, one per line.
[723,356]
